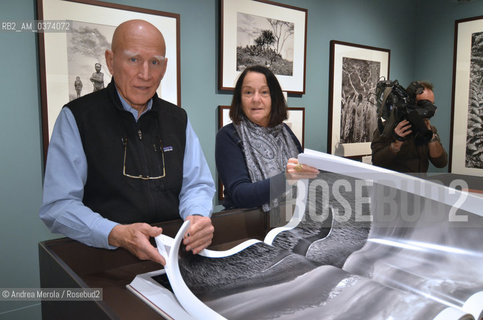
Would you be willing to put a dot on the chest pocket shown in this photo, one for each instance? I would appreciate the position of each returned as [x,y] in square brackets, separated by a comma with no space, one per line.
[173,153]
[153,162]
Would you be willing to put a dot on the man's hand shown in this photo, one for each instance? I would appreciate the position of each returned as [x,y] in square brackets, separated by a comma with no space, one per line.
[199,234]
[435,147]
[402,129]
[295,170]
[135,238]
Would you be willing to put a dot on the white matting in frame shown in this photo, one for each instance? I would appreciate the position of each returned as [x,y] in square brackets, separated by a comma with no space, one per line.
[296,122]
[466,144]
[371,55]
[230,9]
[103,18]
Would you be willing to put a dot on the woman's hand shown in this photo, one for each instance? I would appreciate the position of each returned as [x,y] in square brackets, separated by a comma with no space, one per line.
[295,170]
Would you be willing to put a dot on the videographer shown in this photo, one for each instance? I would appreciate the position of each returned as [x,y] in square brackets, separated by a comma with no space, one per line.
[414,141]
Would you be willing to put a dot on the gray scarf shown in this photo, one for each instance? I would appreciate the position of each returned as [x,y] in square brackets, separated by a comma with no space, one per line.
[266,150]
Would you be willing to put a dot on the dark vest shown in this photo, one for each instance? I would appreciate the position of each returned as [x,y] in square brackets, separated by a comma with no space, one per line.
[119,150]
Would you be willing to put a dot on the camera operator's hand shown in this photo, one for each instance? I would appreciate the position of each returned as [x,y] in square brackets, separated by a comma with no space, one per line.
[402,129]
[434,145]
[435,137]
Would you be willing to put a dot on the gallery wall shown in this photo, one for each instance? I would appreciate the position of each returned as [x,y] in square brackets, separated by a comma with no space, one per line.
[432,53]
[418,32]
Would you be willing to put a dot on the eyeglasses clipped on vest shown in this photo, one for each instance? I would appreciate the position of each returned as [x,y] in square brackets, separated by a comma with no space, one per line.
[155,153]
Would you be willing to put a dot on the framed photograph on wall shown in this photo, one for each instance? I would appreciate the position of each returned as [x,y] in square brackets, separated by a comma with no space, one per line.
[223,120]
[295,121]
[223,116]
[466,140]
[264,33]
[354,72]
[72,62]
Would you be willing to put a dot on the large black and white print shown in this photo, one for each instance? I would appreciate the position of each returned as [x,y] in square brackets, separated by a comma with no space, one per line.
[87,69]
[474,137]
[358,119]
[265,41]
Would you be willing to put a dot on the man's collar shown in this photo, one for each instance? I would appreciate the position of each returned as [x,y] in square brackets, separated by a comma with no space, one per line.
[126,106]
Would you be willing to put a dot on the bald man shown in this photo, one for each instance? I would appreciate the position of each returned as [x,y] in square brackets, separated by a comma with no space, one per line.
[121,158]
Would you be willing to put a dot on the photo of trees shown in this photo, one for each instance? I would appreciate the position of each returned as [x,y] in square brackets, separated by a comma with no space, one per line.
[265,41]
[474,133]
[358,119]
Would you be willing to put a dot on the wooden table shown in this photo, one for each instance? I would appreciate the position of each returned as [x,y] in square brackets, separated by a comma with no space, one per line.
[66,263]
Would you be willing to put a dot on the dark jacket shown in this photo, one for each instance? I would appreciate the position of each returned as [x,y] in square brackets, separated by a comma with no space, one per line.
[411,158]
[239,191]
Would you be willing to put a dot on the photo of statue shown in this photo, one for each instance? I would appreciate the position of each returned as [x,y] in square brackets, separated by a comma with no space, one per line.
[97,78]
[78,86]
[86,45]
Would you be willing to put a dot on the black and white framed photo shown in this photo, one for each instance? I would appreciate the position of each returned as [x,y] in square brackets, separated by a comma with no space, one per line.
[466,140]
[263,33]
[223,116]
[354,72]
[72,62]
[296,122]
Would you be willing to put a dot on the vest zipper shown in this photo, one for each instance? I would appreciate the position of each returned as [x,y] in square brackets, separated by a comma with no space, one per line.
[151,200]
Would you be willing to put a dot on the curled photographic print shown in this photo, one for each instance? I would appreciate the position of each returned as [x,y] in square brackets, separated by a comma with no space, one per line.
[361,240]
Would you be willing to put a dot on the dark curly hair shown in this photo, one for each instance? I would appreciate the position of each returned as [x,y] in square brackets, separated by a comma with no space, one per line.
[278,111]
[417,87]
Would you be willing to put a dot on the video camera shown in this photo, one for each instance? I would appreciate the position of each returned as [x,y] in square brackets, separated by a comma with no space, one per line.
[394,104]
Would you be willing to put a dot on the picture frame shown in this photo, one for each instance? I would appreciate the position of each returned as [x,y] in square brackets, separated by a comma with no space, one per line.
[295,121]
[245,40]
[223,116]
[466,145]
[352,103]
[223,120]
[64,56]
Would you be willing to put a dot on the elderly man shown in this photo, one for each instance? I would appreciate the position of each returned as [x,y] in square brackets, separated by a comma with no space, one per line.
[122,158]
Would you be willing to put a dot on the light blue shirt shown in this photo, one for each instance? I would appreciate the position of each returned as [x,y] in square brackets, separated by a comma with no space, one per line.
[62,209]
